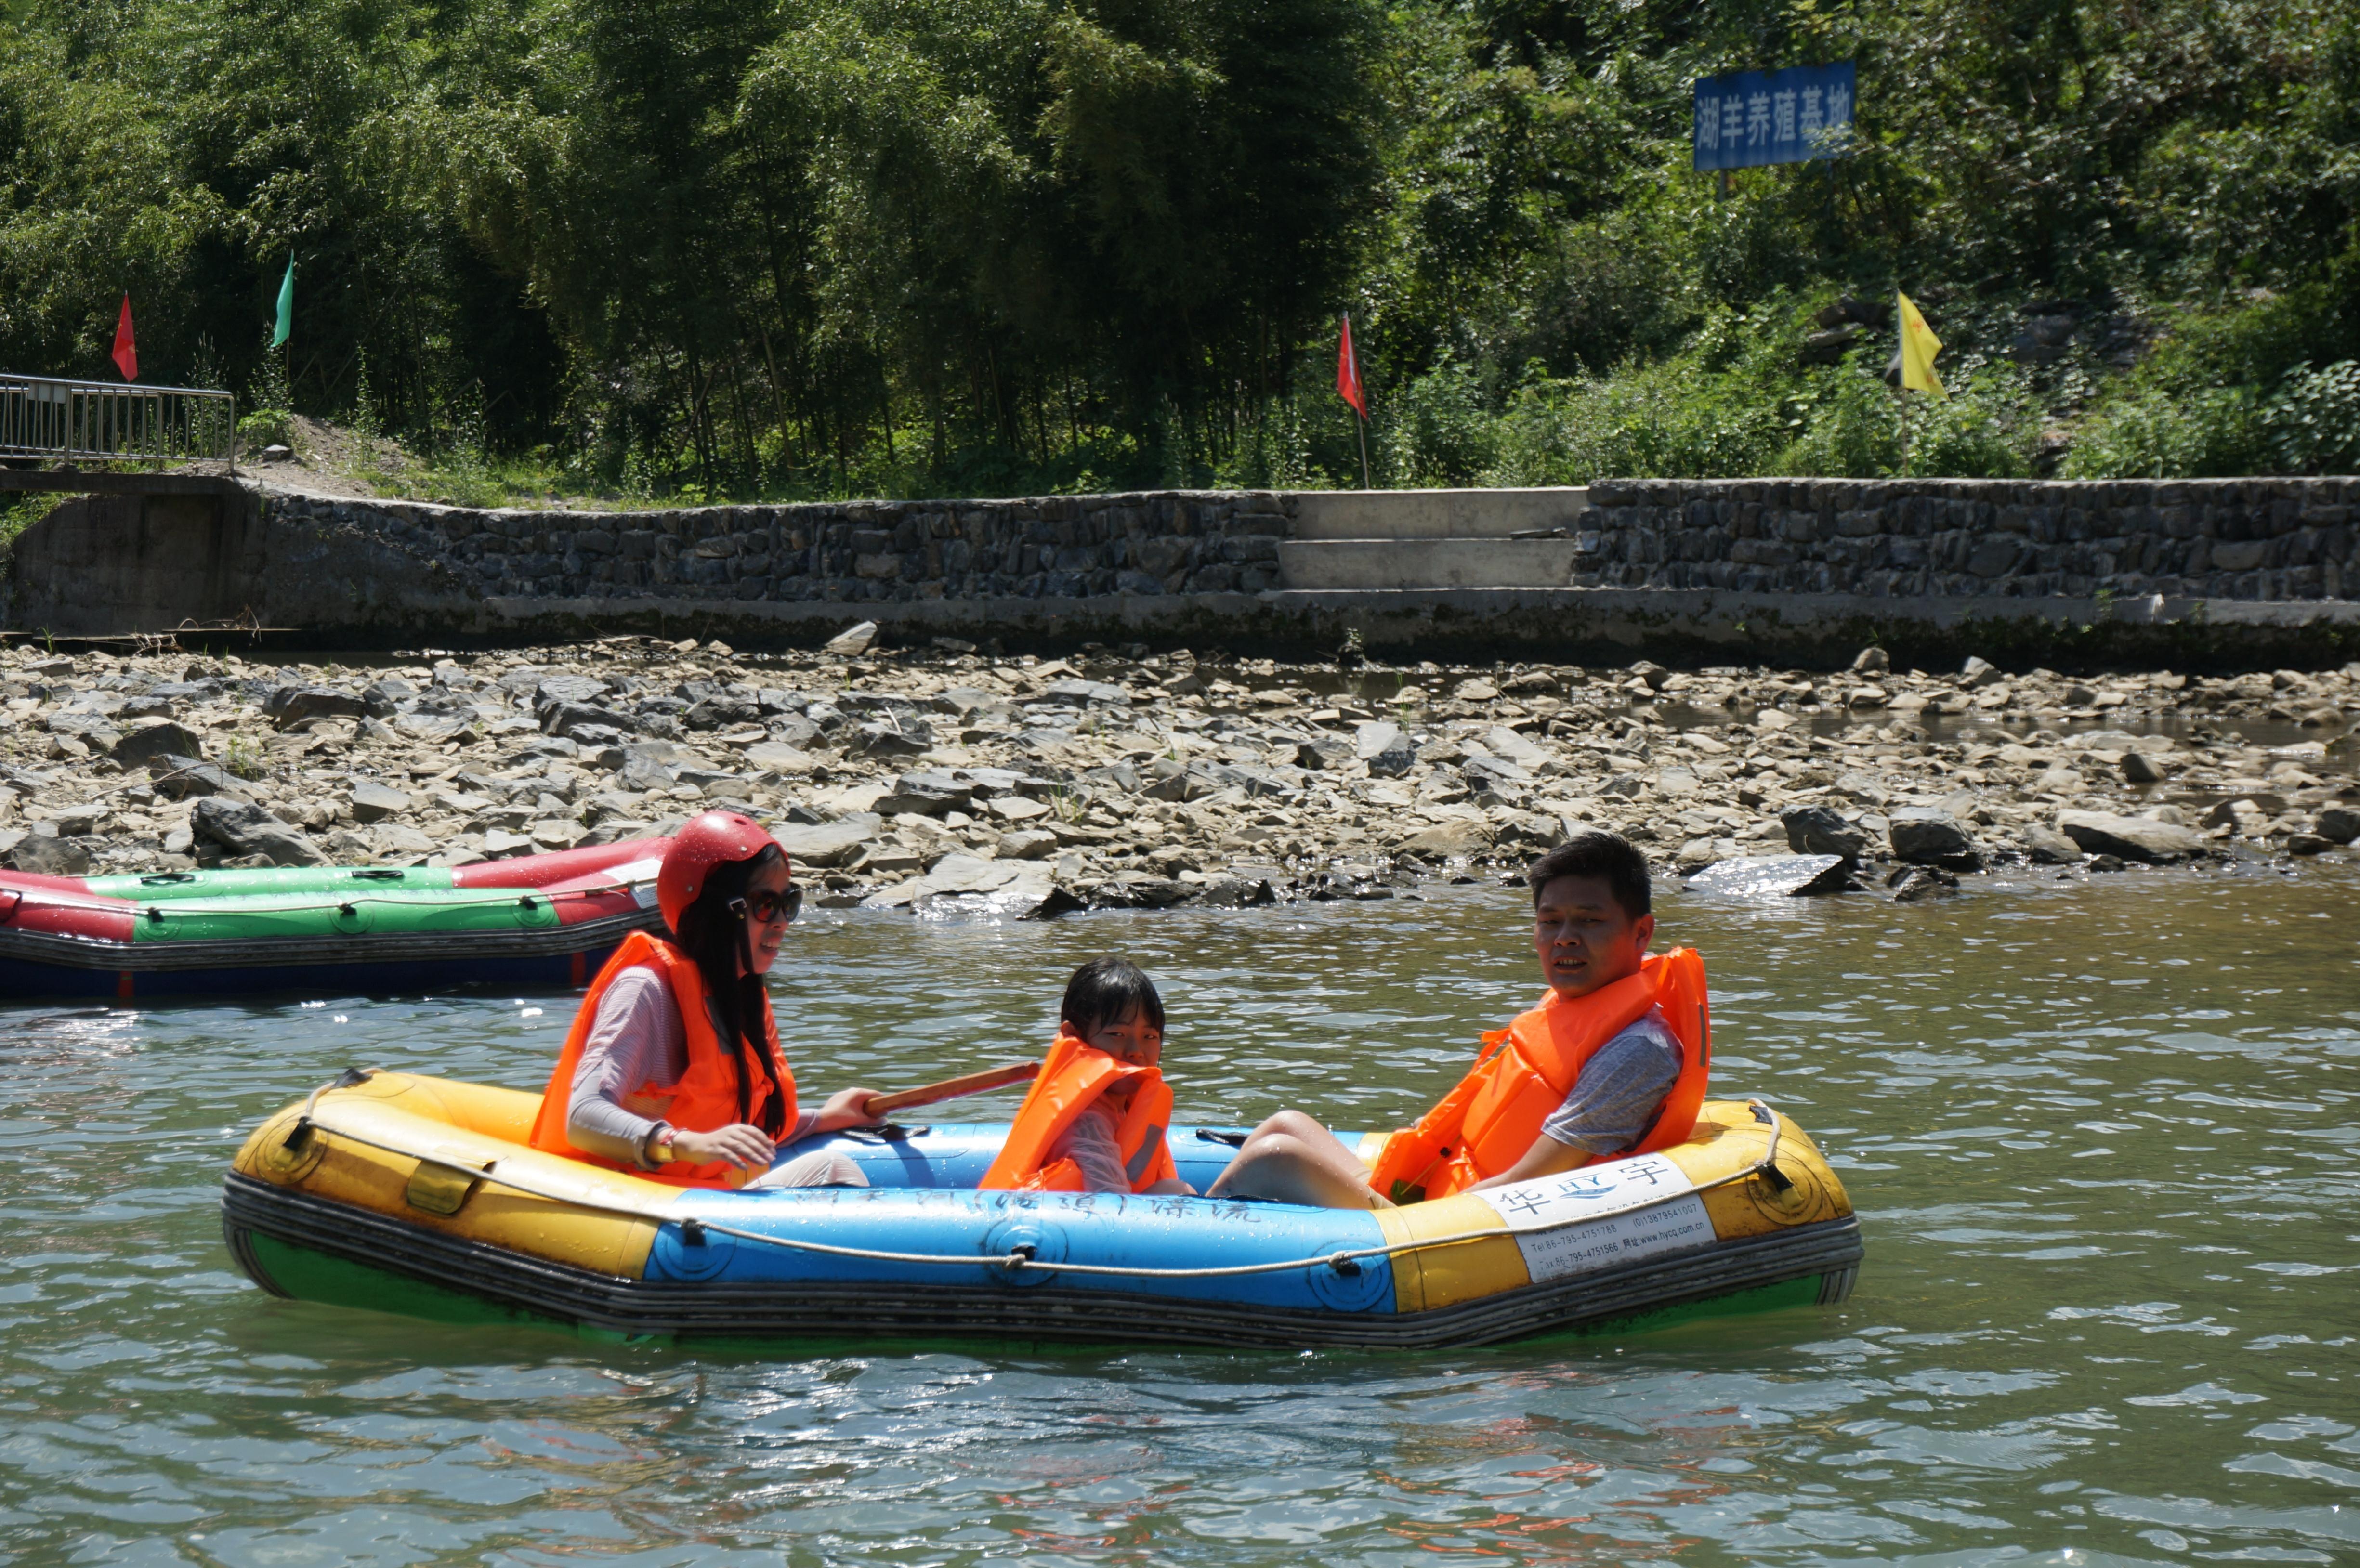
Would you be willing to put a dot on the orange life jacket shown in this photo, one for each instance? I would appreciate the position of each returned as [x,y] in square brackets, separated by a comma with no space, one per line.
[705,1098]
[1073,1078]
[1485,1125]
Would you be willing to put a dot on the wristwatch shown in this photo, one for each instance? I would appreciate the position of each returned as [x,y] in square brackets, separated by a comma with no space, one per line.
[660,1149]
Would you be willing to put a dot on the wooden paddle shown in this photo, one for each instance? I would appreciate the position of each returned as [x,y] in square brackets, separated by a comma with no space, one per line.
[952,1088]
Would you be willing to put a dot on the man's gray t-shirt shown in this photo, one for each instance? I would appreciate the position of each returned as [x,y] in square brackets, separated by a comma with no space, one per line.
[1620,1090]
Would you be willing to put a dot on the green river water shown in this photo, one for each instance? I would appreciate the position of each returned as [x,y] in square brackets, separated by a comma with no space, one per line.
[2101,1133]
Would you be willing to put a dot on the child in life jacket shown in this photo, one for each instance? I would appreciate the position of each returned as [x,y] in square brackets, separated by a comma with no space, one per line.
[1612,1062]
[1098,1116]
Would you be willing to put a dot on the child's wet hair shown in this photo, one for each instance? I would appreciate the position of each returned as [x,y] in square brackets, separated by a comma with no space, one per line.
[1110,991]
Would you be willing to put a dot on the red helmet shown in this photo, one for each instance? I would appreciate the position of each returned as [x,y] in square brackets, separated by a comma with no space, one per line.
[717,838]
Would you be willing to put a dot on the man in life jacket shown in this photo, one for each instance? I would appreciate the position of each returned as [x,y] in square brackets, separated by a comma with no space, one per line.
[1098,1116]
[672,1067]
[1612,1062]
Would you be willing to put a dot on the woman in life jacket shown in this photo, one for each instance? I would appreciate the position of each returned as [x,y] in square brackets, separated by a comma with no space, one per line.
[672,1067]
[1612,1062]
[1098,1117]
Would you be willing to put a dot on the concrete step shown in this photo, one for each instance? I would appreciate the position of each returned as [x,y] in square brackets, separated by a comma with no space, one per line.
[1426,563]
[1434,513]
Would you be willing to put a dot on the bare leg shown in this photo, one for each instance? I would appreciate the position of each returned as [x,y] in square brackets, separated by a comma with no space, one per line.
[1291,1158]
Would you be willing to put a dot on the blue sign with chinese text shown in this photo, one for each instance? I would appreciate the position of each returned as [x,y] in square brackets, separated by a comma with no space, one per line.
[1752,117]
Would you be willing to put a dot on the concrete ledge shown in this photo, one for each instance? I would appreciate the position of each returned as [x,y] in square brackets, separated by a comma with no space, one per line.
[1566,624]
[117,482]
[1411,563]
[1433,514]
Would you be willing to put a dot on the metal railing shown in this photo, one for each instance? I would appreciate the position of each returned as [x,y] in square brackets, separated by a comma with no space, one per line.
[95,422]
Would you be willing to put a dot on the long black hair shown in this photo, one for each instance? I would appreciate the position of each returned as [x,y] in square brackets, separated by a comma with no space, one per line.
[714,937]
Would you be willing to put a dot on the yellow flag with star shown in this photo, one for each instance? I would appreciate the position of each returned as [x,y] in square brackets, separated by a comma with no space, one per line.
[1918,347]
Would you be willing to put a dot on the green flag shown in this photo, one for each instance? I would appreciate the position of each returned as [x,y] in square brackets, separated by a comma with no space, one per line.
[286,305]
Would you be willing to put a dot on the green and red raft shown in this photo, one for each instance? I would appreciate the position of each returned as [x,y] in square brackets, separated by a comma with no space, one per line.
[536,920]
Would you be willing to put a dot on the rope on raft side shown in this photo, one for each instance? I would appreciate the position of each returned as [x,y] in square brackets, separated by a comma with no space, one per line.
[693,1229]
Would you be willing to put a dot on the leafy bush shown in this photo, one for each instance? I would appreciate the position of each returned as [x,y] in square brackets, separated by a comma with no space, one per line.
[2314,423]
[2151,433]
[1436,431]
[266,427]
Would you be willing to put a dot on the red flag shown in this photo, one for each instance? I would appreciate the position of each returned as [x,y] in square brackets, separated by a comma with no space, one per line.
[1348,373]
[126,353]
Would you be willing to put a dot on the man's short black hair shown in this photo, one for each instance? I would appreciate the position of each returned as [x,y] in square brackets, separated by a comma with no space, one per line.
[1108,991]
[1609,857]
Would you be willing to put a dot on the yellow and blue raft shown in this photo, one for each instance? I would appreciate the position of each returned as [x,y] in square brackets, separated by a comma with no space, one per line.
[419,1195]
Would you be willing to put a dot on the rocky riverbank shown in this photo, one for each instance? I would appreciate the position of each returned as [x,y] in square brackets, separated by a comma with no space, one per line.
[1121,779]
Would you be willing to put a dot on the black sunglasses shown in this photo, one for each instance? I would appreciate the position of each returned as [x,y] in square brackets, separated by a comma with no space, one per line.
[765,906]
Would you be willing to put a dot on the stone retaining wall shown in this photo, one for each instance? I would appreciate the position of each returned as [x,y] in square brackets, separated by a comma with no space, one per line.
[2219,538]
[854,552]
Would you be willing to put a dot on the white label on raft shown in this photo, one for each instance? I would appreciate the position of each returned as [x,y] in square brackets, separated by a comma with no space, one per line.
[1613,1187]
[1675,1226]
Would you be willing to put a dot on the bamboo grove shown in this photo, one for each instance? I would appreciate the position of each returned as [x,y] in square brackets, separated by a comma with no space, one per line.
[987,246]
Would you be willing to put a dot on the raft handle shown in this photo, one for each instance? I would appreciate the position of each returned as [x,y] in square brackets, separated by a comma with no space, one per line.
[1234,1139]
[168,876]
[1768,1166]
[1018,1255]
[350,1078]
[1345,1264]
[379,873]
[884,1132]
[691,1233]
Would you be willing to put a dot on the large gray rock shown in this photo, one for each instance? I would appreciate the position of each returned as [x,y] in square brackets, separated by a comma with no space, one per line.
[2130,838]
[1395,761]
[558,688]
[587,723]
[1773,877]
[1498,774]
[929,794]
[642,770]
[722,711]
[288,705]
[854,639]
[828,843]
[2046,846]
[45,854]
[1451,840]
[178,778]
[779,757]
[2339,824]
[242,828]
[164,738]
[384,696]
[1025,843]
[910,737]
[373,801]
[1817,830]
[1928,835]
[1505,742]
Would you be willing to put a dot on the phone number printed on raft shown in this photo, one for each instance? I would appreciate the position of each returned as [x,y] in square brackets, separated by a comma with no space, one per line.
[1591,1193]
[1675,1226]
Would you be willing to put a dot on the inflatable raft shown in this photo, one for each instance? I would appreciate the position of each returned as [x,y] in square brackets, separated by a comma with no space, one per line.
[417,1195]
[536,920]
